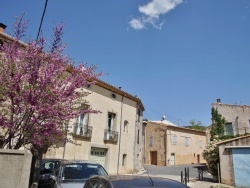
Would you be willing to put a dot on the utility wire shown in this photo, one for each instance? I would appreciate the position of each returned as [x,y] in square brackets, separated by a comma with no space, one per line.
[177,119]
[41,22]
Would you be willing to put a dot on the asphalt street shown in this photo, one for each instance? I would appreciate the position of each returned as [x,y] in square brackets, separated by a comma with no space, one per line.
[174,172]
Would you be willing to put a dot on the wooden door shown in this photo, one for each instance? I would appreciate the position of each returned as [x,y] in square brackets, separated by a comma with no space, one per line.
[153,157]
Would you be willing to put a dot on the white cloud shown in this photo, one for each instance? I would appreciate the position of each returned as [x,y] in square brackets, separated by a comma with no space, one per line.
[137,23]
[151,13]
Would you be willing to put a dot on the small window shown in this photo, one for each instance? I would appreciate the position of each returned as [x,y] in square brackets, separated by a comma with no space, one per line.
[229,128]
[124,159]
[150,141]
[138,114]
[174,141]
[138,137]
[125,126]
[113,96]
[186,141]
[201,144]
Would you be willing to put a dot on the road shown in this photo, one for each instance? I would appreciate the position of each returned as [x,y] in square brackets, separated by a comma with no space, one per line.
[175,170]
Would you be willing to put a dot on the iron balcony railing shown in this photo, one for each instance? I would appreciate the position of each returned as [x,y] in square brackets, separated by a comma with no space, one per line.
[82,130]
[111,136]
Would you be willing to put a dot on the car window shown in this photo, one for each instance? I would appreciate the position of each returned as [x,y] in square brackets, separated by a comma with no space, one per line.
[48,167]
[80,171]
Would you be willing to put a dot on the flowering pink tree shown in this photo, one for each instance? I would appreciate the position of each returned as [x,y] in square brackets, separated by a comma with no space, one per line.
[40,90]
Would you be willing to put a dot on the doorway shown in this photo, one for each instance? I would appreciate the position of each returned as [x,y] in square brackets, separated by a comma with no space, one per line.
[172,159]
[198,158]
[98,155]
[241,168]
[153,157]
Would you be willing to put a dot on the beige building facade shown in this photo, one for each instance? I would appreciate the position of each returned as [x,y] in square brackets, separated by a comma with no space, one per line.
[113,137]
[167,144]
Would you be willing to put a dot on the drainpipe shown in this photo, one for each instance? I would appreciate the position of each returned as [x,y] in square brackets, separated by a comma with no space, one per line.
[135,145]
[166,147]
[66,129]
[237,121]
[119,148]
[144,124]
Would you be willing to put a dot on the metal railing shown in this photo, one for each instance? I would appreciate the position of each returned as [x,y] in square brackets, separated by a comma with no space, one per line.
[111,136]
[83,131]
[185,176]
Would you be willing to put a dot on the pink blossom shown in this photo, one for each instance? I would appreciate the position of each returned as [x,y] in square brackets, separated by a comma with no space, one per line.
[38,90]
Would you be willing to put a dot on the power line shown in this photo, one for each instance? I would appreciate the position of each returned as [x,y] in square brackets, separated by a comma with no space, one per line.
[176,119]
[41,22]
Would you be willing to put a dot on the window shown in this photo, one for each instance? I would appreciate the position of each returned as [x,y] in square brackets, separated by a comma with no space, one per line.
[138,114]
[48,167]
[125,126]
[138,136]
[82,123]
[229,128]
[113,95]
[174,141]
[88,86]
[150,141]
[111,121]
[201,144]
[186,141]
[124,159]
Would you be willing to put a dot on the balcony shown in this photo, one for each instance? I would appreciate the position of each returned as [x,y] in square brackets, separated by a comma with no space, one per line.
[82,131]
[110,136]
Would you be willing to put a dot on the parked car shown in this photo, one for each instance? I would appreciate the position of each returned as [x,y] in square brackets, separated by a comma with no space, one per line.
[74,173]
[49,168]
[126,181]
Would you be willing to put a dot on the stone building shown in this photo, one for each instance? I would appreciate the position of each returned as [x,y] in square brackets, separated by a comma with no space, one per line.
[167,144]
[237,117]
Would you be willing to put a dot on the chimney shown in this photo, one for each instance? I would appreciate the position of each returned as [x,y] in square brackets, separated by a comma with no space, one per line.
[218,101]
[2,27]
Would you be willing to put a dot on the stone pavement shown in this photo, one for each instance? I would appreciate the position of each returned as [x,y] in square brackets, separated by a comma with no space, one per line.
[206,184]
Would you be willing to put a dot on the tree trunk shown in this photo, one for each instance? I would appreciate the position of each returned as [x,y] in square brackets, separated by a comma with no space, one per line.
[35,167]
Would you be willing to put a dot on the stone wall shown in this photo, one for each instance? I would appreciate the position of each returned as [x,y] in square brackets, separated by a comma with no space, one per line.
[14,168]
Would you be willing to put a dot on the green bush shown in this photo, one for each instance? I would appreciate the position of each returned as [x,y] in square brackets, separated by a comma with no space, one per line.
[211,155]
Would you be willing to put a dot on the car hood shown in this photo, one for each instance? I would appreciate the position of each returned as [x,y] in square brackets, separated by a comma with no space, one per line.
[71,185]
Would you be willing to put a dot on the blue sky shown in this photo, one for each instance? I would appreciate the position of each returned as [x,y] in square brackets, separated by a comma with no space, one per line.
[177,56]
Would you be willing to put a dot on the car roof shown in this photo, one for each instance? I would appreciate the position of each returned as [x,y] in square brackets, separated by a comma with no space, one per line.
[125,181]
[51,160]
[79,161]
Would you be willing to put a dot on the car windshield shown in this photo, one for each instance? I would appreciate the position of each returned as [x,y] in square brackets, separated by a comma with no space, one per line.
[81,171]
